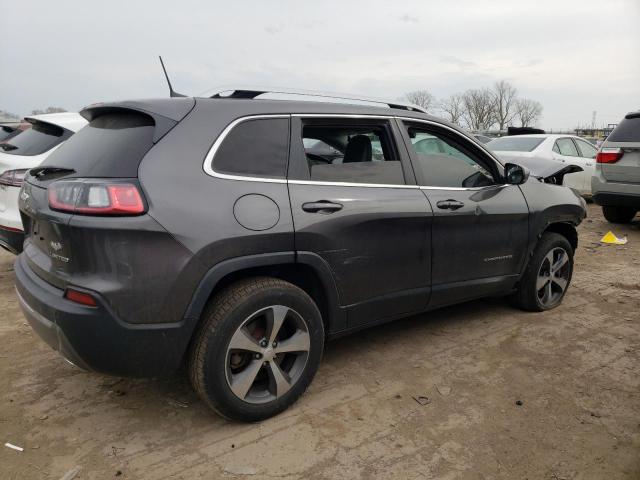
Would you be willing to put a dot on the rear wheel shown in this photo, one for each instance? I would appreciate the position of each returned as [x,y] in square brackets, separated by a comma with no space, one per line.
[619,214]
[548,274]
[258,349]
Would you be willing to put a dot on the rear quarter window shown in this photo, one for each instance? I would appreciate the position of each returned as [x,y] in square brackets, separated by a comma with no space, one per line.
[628,130]
[111,145]
[256,148]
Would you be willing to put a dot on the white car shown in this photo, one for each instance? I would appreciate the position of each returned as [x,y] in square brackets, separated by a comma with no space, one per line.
[567,149]
[20,153]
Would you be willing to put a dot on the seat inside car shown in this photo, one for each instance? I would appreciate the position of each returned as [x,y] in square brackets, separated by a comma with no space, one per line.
[358,149]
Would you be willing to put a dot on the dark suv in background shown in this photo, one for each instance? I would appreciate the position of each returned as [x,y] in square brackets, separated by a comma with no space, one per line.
[201,230]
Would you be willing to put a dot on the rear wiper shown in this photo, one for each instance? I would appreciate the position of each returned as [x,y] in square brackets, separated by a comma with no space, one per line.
[41,172]
[8,146]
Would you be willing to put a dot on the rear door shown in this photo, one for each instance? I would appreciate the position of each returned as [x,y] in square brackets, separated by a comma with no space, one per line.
[566,151]
[479,233]
[362,214]
[588,155]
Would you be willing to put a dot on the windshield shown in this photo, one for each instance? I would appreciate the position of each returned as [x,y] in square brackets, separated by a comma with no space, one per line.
[514,144]
[40,138]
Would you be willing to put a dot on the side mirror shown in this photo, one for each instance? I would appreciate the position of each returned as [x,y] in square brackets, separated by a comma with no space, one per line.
[515,174]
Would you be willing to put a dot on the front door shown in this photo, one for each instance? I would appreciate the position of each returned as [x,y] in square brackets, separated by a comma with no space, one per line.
[479,233]
[355,204]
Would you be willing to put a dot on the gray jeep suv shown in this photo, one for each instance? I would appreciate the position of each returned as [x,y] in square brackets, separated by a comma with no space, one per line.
[616,183]
[237,234]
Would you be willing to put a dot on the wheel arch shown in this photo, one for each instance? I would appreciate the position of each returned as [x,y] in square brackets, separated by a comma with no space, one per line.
[565,229]
[303,269]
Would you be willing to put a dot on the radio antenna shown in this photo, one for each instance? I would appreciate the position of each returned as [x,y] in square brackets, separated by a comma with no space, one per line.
[172,92]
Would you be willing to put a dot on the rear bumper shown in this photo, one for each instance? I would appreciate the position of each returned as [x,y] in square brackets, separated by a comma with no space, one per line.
[11,239]
[610,199]
[614,194]
[93,338]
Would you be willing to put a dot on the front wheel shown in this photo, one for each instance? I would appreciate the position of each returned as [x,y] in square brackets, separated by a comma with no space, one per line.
[548,274]
[257,350]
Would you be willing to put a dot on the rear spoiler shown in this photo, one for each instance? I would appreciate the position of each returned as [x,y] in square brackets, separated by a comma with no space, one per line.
[166,112]
[524,130]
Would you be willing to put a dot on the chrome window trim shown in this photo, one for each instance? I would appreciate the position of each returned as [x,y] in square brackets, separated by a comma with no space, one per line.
[351,184]
[208,161]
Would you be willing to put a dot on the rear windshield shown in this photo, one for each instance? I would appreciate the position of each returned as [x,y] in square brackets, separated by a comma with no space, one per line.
[628,130]
[5,132]
[40,138]
[514,144]
[112,145]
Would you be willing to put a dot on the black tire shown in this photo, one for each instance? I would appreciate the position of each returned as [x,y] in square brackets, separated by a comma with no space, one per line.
[224,316]
[618,214]
[527,296]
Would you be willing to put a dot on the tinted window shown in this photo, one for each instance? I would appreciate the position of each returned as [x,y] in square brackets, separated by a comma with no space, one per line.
[566,147]
[514,144]
[40,138]
[357,154]
[441,162]
[257,148]
[628,130]
[586,149]
[111,145]
[5,132]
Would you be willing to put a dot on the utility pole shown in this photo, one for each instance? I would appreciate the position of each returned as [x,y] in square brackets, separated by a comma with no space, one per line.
[593,120]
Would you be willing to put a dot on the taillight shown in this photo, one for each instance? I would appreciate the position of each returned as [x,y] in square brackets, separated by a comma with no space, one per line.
[13,178]
[96,197]
[609,155]
[80,297]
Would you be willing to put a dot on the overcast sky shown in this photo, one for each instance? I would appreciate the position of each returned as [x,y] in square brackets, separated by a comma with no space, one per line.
[572,56]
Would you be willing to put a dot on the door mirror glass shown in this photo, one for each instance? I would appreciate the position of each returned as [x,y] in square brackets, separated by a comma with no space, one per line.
[515,174]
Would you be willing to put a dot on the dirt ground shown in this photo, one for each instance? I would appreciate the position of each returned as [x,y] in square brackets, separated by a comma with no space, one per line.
[575,370]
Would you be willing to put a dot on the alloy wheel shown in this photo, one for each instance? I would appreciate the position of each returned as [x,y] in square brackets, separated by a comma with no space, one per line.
[267,354]
[553,277]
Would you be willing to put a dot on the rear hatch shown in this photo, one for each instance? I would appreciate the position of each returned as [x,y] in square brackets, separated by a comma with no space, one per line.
[625,142]
[105,154]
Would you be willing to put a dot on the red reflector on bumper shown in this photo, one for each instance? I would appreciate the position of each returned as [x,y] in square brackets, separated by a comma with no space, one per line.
[80,297]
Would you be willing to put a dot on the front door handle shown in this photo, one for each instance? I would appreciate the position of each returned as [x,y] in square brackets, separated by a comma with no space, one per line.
[449,204]
[321,206]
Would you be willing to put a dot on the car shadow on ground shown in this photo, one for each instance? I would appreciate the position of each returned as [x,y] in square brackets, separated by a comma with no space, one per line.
[172,399]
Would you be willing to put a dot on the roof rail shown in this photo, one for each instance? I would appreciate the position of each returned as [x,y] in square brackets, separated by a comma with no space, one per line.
[253,92]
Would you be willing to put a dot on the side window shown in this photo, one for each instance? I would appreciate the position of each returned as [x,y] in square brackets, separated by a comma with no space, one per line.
[441,162]
[555,147]
[586,149]
[566,147]
[351,153]
[256,148]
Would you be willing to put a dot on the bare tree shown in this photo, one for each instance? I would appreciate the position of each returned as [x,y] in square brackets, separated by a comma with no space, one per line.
[528,112]
[422,98]
[479,111]
[8,115]
[453,108]
[505,100]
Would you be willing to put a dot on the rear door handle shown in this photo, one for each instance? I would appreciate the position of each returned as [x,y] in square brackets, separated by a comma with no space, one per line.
[449,204]
[321,206]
